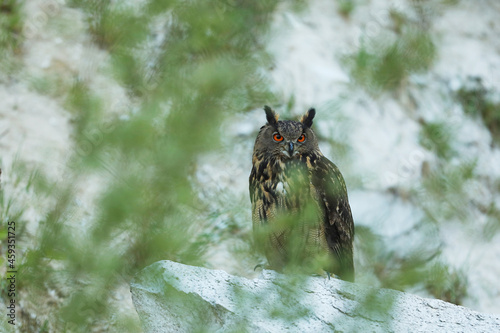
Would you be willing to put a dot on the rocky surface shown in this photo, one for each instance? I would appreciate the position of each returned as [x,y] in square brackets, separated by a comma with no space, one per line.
[172,297]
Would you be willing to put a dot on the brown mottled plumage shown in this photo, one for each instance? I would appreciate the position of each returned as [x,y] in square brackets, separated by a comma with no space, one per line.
[300,210]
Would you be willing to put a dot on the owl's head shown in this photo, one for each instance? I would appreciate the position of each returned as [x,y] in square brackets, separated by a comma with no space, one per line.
[286,139]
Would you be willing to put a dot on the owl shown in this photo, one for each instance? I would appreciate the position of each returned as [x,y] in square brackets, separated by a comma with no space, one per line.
[300,210]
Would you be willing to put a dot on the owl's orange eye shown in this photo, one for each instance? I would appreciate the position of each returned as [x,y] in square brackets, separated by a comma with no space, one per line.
[277,137]
[302,138]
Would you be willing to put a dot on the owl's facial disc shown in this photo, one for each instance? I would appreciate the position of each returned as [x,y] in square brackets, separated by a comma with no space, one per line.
[288,149]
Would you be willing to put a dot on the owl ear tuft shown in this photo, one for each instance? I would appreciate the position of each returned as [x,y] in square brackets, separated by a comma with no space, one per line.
[307,119]
[272,117]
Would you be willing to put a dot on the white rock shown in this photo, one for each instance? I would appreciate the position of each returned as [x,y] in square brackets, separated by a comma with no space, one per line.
[172,297]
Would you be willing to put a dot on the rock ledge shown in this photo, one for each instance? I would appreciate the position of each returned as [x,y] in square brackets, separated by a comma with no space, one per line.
[172,297]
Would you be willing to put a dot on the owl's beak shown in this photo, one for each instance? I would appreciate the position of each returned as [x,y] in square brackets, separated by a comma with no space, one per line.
[290,149]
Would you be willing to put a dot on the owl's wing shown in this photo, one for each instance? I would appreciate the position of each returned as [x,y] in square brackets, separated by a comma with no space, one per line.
[338,222]
[264,206]
[256,198]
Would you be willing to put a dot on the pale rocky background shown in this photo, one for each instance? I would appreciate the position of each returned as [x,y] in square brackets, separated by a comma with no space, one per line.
[383,160]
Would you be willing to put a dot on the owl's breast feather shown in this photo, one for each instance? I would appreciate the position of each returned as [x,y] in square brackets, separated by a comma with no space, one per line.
[280,188]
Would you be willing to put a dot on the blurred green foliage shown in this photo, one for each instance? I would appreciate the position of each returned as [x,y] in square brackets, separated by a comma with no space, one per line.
[477,102]
[385,67]
[10,24]
[10,33]
[384,62]
[10,209]
[446,283]
[436,137]
[346,7]
[493,225]
[446,195]
[183,78]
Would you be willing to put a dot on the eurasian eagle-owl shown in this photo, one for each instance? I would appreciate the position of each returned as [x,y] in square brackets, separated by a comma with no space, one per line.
[300,210]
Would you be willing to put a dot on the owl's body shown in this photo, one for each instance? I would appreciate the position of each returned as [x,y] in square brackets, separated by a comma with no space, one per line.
[300,210]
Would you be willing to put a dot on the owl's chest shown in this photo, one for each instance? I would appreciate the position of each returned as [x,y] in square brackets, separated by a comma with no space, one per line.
[293,187]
